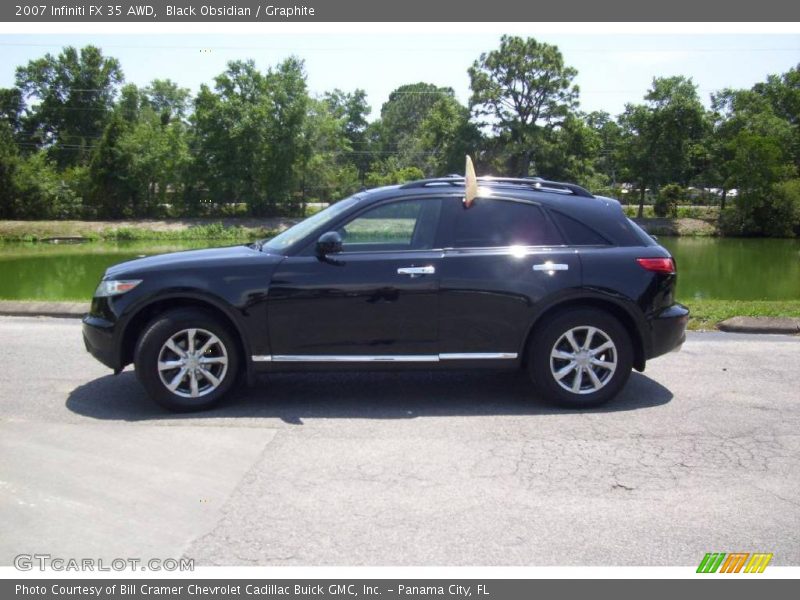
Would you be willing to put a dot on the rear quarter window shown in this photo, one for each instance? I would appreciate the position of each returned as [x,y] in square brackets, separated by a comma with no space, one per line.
[641,234]
[576,233]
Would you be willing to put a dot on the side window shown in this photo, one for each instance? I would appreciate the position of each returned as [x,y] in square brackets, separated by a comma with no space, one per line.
[496,223]
[401,225]
[577,233]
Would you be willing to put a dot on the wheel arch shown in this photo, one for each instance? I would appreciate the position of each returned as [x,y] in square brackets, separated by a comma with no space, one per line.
[135,324]
[619,311]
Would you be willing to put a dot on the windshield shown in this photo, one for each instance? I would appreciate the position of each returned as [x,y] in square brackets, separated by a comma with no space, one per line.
[303,228]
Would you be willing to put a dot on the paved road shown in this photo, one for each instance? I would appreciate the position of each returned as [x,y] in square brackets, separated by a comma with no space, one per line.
[700,454]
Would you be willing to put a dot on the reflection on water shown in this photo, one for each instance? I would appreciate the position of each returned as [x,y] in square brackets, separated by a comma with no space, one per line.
[730,269]
[736,268]
[41,271]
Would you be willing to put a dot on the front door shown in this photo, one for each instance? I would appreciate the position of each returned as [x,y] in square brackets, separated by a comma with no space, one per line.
[376,300]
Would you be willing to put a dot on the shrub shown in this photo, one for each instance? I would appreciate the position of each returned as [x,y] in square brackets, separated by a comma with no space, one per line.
[773,213]
[783,217]
[666,204]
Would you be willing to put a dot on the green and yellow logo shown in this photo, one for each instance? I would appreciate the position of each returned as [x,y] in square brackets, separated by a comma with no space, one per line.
[734,562]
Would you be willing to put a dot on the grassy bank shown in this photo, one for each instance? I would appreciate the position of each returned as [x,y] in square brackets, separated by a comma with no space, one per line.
[168,230]
[707,314]
[244,229]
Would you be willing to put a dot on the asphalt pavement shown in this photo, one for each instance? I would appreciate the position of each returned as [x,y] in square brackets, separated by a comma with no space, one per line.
[701,453]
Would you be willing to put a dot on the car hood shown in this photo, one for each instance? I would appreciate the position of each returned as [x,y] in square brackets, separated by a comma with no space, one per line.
[192,259]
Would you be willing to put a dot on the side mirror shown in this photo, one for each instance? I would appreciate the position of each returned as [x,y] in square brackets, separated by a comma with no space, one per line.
[329,243]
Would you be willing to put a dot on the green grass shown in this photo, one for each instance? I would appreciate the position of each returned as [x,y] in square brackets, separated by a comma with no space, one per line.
[707,314]
[33,231]
[213,231]
[684,212]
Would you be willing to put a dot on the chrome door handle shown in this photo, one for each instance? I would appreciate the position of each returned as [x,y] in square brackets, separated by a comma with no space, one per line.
[416,271]
[548,266]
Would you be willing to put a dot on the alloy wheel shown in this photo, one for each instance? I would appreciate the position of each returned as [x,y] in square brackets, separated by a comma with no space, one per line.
[192,363]
[583,360]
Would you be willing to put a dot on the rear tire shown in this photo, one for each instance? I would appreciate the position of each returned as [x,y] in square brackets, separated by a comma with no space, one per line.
[187,360]
[581,358]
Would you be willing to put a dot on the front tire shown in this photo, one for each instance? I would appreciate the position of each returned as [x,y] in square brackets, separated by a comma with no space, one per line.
[186,360]
[581,358]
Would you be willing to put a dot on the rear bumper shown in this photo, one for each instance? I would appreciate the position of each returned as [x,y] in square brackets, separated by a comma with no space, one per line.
[98,337]
[668,330]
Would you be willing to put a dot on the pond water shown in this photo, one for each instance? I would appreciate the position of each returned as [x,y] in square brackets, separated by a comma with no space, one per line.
[729,269]
[736,268]
[43,271]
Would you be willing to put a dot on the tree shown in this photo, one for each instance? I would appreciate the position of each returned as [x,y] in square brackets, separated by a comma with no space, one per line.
[678,122]
[156,157]
[325,171]
[783,94]
[167,99]
[248,134]
[569,153]
[525,90]
[229,132]
[423,126]
[112,194]
[9,161]
[352,110]
[72,95]
[288,105]
[11,107]
[638,149]
[659,137]
[446,136]
[609,134]
[744,121]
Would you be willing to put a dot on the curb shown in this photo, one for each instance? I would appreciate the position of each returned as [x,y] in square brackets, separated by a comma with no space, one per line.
[16,308]
[784,325]
[76,310]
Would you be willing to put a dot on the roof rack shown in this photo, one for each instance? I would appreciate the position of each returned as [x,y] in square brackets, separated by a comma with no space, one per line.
[447,180]
[536,183]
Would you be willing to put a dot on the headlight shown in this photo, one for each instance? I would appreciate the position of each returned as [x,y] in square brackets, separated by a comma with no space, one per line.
[115,287]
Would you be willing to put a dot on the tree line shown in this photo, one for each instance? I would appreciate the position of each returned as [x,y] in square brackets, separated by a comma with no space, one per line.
[77,141]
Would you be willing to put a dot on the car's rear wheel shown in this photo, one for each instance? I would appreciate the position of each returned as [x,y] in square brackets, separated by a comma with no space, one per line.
[186,360]
[580,358]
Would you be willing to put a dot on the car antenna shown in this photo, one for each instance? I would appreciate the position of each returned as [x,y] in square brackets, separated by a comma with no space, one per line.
[470,183]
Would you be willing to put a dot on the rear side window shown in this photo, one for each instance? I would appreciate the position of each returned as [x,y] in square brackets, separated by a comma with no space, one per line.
[643,236]
[498,223]
[576,232]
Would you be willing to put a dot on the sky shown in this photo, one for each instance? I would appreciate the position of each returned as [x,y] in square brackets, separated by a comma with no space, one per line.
[612,69]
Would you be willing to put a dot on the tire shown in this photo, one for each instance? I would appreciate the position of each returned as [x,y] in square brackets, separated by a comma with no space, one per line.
[161,360]
[549,359]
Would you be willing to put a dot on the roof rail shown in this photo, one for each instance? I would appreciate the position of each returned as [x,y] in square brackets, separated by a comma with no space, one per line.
[542,184]
[447,180]
[536,183]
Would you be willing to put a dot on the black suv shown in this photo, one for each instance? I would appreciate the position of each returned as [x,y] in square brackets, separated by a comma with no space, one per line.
[534,274]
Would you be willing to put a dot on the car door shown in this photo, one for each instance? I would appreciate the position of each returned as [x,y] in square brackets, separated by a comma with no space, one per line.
[502,258]
[375,300]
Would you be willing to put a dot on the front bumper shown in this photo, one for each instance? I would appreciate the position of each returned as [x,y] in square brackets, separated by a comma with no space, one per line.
[98,337]
[668,330]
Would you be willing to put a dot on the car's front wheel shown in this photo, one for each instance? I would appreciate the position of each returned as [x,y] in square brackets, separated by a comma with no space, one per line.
[186,360]
[580,358]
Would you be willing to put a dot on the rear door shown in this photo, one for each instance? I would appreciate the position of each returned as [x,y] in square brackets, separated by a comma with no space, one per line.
[502,258]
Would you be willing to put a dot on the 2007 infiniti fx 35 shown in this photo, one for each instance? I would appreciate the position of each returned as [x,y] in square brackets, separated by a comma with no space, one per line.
[529,274]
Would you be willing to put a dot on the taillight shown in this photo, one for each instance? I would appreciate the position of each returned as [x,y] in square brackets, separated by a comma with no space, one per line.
[657,265]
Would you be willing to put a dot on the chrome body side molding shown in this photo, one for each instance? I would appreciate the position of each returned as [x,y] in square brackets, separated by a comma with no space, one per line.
[478,356]
[391,358]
